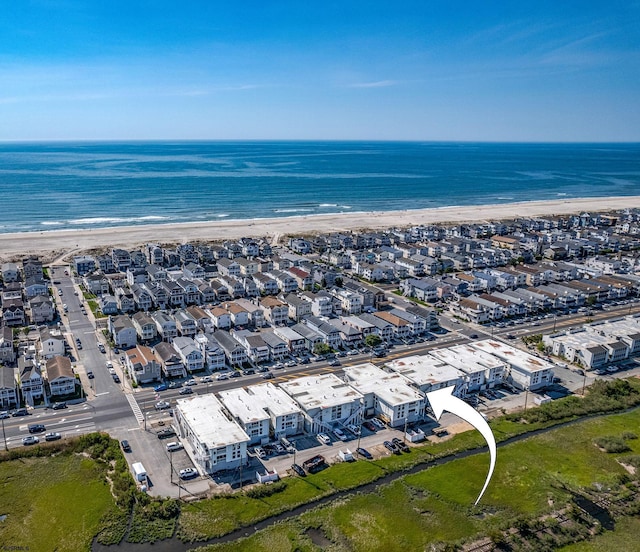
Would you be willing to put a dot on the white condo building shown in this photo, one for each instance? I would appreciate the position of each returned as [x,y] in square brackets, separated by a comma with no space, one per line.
[285,414]
[326,401]
[482,370]
[214,441]
[387,394]
[251,417]
[525,371]
[429,373]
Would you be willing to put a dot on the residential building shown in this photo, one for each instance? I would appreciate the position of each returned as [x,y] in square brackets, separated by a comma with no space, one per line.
[235,353]
[525,371]
[7,350]
[251,416]
[143,364]
[284,413]
[8,388]
[145,326]
[214,356]
[170,361]
[51,343]
[60,375]
[326,401]
[191,356]
[213,441]
[429,373]
[386,394]
[123,331]
[30,380]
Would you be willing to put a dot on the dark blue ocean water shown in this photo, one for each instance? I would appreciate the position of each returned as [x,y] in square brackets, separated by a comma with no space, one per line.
[88,185]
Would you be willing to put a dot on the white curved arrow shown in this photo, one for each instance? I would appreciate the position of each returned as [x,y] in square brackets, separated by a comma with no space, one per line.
[442,400]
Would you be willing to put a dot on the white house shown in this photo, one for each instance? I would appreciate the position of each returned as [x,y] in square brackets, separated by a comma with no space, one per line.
[51,343]
[189,353]
[60,376]
[123,331]
[284,413]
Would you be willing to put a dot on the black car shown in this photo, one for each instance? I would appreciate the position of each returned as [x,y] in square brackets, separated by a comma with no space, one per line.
[268,375]
[37,428]
[299,470]
[126,447]
[115,378]
[20,412]
[90,374]
[165,433]
[401,444]
[59,406]
[391,447]
[364,452]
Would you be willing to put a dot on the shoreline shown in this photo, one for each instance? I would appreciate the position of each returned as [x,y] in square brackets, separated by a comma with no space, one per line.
[129,237]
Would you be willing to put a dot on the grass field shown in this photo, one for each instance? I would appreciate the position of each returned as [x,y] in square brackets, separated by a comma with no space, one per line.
[625,538]
[436,505]
[52,503]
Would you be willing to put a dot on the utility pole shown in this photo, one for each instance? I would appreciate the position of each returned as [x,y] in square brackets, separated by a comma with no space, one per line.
[526,396]
[4,437]
[404,435]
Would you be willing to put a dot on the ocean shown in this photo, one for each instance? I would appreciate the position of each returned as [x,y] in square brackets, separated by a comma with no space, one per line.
[55,186]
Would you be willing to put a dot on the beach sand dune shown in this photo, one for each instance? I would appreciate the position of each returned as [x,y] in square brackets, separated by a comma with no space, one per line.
[54,244]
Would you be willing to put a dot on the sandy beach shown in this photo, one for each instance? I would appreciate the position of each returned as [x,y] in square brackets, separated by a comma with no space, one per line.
[54,244]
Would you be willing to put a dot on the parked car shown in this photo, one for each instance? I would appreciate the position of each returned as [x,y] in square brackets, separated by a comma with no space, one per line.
[323,438]
[378,423]
[401,444]
[340,434]
[174,446]
[126,447]
[116,378]
[391,447]
[206,379]
[4,415]
[260,452]
[165,433]
[90,374]
[365,453]
[299,470]
[354,429]
[221,377]
[160,387]
[36,428]
[174,385]
[163,405]
[369,425]
[334,362]
[268,375]
[188,473]
[186,391]
[59,406]
[30,440]
[20,412]
[191,382]
[53,436]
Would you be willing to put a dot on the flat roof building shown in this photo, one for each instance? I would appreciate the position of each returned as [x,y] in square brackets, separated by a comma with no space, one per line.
[525,371]
[386,393]
[215,442]
[285,414]
[429,373]
[481,370]
[326,401]
[251,417]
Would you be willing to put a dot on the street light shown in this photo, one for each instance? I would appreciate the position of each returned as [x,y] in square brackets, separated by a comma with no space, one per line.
[526,396]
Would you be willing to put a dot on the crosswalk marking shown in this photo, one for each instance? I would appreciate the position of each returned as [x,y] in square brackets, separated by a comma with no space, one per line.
[135,407]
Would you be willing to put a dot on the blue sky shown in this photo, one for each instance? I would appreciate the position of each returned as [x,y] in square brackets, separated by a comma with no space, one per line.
[425,70]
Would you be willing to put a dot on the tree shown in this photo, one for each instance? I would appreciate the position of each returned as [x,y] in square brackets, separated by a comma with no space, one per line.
[372,340]
[321,349]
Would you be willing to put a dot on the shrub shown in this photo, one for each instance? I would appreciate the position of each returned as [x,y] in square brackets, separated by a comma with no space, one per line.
[611,444]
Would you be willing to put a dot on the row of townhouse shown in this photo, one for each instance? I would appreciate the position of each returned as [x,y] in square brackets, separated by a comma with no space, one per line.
[487,307]
[33,381]
[218,429]
[25,294]
[599,344]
